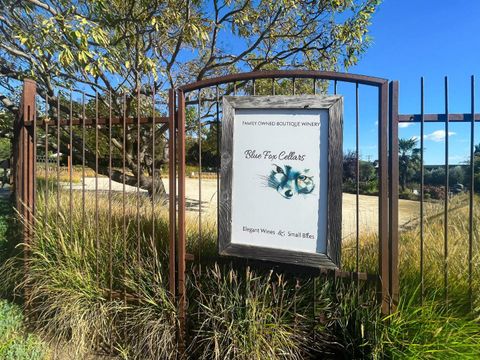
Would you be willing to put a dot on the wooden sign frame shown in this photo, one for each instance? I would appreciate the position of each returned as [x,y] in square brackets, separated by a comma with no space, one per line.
[334,106]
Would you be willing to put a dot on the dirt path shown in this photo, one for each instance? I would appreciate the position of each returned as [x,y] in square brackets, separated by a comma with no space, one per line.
[368,205]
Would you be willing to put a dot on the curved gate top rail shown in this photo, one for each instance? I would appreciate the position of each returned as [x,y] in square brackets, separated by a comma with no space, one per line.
[269,74]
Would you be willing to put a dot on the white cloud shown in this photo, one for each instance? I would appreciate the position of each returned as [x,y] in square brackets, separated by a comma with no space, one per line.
[437,136]
[458,159]
[404,124]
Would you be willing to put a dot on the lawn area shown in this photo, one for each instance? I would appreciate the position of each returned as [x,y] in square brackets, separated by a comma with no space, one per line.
[15,342]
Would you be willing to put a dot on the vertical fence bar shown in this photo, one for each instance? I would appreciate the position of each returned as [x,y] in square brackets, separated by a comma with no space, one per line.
[357,192]
[422,190]
[124,217]
[83,166]
[172,185]
[357,179]
[24,162]
[69,165]
[32,114]
[154,128]
[109,216]
[217,124]
[200,172]
[447,185]
[124,207]
[181,222]
[472,188]
[138,174]
[97,237]
[393,190]
[46,159]
[383,263]
[110,242]
[59,121]
[314,292]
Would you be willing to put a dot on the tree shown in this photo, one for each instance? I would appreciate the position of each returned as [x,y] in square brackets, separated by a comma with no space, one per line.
[476,170]
[366,168]
[476,150]
[122,47]
[409,160]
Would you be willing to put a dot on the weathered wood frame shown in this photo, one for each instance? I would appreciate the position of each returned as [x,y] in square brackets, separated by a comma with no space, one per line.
[334,106]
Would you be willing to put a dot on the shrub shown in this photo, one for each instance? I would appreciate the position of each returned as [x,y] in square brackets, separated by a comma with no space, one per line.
[13,344]
[434,192]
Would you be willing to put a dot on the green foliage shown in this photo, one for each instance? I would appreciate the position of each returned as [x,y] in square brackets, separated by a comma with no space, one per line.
[232,313]
[431,332]
[5,148]
[245,316]
[118,49]
[14,345]
[368,184]
[90,41]
[235,312]
[210,156]
[408,160]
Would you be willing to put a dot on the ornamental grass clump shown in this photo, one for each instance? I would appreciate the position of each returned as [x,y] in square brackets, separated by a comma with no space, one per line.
[97,281]
[87,288]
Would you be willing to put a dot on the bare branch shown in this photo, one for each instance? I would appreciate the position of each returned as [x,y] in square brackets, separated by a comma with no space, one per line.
[8,104]
[44,6]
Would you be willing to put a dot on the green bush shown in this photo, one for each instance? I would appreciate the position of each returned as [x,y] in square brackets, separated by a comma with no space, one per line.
[369,187]
[14,343]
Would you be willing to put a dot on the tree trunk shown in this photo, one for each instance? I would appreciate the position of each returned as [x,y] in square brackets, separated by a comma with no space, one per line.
[156,189]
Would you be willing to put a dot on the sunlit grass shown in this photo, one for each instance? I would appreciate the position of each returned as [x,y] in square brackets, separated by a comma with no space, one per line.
[234,312]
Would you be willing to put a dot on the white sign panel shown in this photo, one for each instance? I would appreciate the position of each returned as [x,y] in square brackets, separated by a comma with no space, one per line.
[279,186]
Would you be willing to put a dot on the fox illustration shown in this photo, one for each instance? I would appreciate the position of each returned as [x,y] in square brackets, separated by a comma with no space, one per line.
[289,182]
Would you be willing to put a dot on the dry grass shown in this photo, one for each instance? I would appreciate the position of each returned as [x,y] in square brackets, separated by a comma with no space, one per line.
[234,312]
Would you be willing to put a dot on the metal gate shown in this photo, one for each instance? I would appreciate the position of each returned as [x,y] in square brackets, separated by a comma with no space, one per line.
[288,82]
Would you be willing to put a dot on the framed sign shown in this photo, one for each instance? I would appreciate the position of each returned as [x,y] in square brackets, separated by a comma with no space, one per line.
[281,179]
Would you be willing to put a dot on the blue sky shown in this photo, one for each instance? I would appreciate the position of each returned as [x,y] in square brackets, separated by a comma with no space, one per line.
[426,38]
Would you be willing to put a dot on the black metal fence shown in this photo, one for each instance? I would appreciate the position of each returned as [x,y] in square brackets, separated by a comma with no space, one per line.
[465,242]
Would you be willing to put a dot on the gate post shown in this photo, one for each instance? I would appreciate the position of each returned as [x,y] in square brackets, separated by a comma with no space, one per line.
[383,211]
[172,174]
[181,288]
[393,185]
[24,154]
